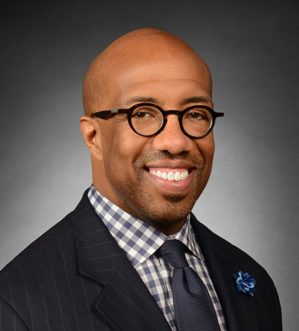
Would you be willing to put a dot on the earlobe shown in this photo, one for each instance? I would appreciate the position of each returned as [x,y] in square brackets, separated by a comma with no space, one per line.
[91,135]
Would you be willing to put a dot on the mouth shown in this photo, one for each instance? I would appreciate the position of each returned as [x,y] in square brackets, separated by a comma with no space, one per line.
[170,174]
[171,177]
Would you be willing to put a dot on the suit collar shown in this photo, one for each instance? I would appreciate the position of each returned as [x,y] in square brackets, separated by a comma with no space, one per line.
[124,301]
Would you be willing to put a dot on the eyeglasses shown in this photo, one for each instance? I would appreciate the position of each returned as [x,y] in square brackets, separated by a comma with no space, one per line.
[147,119]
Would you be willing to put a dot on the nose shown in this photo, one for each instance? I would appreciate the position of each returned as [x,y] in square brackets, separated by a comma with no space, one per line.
[171,138]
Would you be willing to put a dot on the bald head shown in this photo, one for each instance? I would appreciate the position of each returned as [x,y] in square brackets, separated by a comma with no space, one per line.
[133,52]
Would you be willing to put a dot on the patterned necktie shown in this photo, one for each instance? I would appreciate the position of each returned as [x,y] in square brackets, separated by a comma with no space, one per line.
[194,310]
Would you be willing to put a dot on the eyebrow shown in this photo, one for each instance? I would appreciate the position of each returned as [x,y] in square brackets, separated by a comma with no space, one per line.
[141,99]
[195,99]
[154,100]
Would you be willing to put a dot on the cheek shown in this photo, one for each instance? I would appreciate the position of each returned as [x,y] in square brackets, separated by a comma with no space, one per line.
[120,150]
[207,146]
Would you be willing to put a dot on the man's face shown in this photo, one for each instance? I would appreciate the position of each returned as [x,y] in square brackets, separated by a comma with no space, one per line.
[133,166]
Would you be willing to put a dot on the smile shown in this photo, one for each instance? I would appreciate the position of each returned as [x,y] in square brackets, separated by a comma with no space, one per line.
[171,175]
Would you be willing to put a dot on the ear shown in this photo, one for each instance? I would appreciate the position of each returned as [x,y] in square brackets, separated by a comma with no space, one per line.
[92,136]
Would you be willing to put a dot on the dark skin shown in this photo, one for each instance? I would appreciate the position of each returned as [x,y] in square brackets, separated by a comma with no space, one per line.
[147,65]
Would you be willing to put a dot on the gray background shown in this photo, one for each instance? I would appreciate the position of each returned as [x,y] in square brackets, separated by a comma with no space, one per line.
[252,50]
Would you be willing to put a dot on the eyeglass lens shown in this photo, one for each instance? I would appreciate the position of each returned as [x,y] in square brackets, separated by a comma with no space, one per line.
[147,120]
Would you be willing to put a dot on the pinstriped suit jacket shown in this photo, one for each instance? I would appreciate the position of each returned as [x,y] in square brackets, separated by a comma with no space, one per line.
[75,277]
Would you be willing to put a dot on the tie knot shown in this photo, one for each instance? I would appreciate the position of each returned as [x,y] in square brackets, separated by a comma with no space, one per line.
[173,252]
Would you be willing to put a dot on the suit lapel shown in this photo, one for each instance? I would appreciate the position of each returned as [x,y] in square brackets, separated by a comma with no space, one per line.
[124,301]
[238,308]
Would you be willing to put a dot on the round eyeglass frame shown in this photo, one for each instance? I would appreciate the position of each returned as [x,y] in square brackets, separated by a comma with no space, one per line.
[106,114]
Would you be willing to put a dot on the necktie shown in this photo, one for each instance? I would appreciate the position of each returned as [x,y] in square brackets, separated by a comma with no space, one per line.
[194,310]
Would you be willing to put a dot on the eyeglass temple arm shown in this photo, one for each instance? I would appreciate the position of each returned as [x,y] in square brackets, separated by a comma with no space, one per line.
[218,114]
[104,114]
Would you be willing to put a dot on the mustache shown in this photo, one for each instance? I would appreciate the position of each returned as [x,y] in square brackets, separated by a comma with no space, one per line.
[165,155]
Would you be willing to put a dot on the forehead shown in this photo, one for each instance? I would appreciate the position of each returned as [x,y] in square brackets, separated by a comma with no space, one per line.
[173,80]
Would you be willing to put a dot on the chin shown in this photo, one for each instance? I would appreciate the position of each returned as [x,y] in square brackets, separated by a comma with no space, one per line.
[174,198]
[170,222]
[169,212]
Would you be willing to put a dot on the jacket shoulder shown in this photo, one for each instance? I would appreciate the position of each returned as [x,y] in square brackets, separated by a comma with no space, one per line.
[41,269]
[61,229]
[60,232]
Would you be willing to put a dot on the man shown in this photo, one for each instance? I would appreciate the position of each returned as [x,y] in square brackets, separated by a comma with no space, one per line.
[131,256]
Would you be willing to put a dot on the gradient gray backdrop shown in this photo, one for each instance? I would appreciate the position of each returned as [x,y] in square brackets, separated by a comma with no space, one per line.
[252,50]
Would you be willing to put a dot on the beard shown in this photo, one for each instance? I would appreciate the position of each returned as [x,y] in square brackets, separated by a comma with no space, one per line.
[173,207]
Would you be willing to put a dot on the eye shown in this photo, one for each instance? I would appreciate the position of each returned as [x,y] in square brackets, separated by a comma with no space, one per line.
[141,114]
[198,114]
[145,113]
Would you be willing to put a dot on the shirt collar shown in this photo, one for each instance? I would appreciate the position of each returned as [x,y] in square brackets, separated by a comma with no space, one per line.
[138,239]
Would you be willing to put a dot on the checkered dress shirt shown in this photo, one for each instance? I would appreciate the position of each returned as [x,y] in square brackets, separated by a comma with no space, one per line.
[140,241]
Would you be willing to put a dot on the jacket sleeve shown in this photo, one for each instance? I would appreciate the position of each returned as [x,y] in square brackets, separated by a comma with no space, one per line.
[9,319]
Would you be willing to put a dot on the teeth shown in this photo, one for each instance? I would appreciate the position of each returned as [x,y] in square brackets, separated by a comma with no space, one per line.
[177,176]
[170,176]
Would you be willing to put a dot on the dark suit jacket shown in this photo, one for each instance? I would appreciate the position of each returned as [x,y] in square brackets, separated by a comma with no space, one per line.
[75,277]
